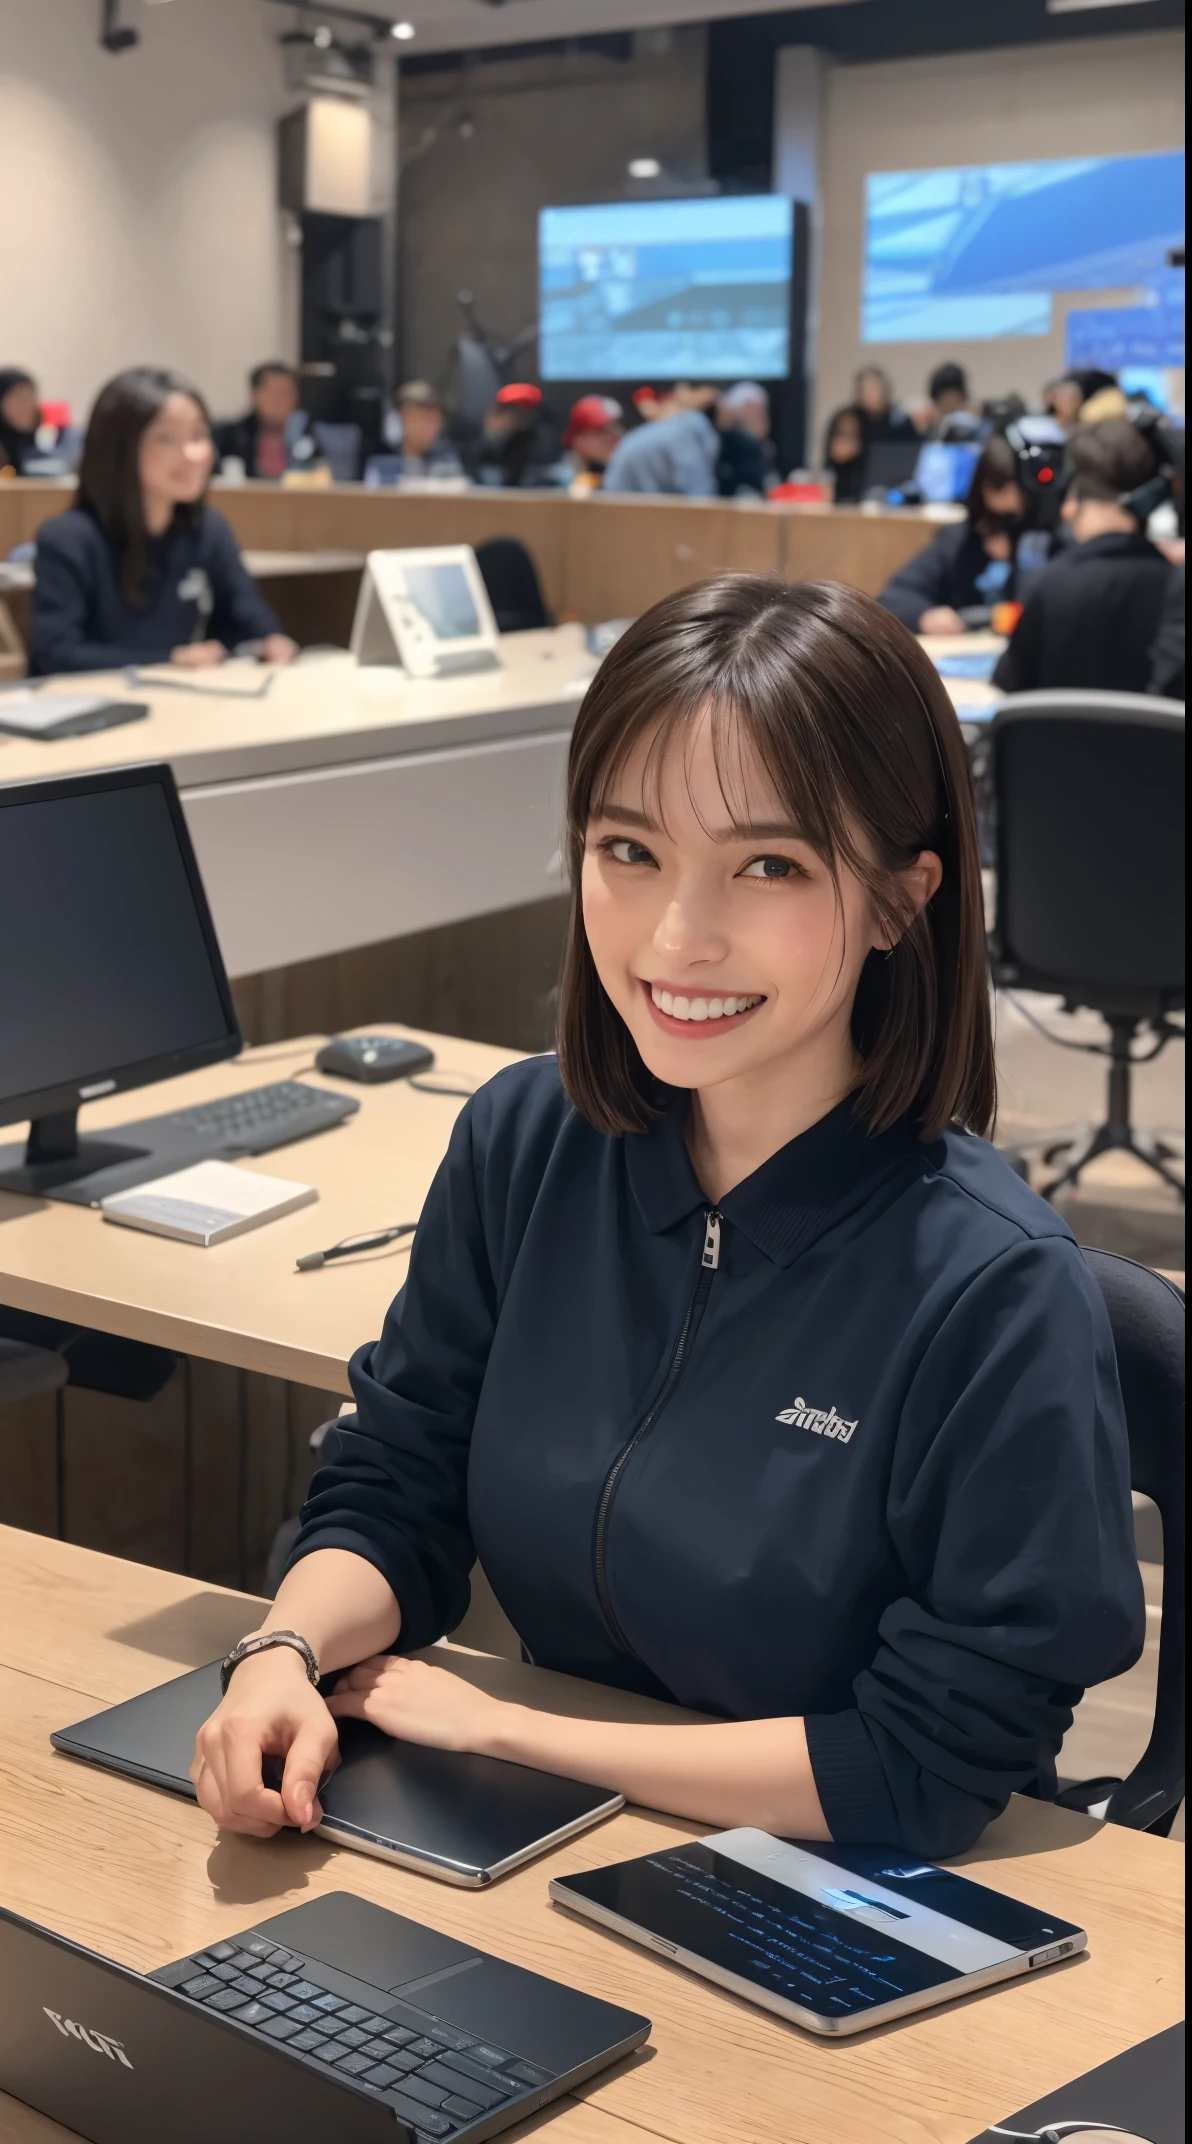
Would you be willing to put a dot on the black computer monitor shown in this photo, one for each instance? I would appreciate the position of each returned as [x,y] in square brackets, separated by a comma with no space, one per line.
[110,969]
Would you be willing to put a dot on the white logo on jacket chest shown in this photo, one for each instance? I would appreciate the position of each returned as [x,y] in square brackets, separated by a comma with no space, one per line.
[819,1422]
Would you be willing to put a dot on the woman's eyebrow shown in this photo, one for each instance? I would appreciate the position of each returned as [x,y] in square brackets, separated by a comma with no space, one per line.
[763,830]
[624,815]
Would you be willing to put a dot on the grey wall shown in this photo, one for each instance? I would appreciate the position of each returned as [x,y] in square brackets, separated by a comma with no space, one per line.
[549,130]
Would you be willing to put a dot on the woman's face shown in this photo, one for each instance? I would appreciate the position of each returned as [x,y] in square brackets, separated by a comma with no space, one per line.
[19,406]
[174,460]
[716,930]
[846,442]
[1066,399]
[1003,500]
[872,394]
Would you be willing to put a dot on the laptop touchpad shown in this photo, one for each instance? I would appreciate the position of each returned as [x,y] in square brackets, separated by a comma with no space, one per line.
[370,1942]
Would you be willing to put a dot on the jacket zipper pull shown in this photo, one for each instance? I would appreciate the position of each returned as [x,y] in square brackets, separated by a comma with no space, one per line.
[711,1257]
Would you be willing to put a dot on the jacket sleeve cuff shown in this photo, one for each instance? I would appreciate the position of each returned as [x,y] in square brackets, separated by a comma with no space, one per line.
[401,1573]
[853,1790]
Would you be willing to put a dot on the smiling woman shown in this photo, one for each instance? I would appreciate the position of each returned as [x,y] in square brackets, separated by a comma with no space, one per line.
[753,1377]
[141,569]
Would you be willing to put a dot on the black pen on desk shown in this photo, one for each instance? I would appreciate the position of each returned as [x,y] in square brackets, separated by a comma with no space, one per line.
[350,1245]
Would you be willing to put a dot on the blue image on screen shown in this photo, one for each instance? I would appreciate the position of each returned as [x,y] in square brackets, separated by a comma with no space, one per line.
[442,595]
[980,250]
[666,290]
[1146,338]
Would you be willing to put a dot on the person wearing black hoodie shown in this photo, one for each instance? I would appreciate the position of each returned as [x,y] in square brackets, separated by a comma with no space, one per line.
[1093,613]
[18,418]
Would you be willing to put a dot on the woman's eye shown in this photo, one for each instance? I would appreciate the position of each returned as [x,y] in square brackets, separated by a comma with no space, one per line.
[771,867]
[624,851]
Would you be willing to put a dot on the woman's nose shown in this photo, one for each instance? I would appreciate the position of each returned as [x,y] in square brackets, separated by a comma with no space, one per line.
[688,930]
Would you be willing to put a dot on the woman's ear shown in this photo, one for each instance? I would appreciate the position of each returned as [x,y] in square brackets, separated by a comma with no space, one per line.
[916,886]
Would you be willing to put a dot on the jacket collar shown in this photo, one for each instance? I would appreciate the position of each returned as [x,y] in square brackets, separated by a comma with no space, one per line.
[1116,543]
[792,1199]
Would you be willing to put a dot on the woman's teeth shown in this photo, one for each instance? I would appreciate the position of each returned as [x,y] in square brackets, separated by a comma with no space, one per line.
[680,1008]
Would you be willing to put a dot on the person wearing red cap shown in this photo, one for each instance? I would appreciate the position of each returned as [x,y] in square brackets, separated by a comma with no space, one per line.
[595,425]
[511,450]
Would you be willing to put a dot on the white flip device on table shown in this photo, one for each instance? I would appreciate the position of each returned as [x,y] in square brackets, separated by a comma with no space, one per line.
[427,610]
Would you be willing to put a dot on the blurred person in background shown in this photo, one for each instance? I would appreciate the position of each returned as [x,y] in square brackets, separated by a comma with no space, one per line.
[969,564]
[948,412]
[674,454]
[273,434]
[1092,616]
[514,448]
[844,455]
[19,419]
[419,444]
[746,464]
[881,419]
[595,427]
[1064,399]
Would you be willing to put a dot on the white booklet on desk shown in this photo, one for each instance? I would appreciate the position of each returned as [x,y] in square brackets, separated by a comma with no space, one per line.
[206,1203]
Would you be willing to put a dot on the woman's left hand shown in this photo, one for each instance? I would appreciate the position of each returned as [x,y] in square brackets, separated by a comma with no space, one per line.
[415,1702]
[278,648]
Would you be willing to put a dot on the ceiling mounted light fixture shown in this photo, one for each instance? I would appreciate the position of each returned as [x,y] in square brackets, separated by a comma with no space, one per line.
[645,167]
[323,39]
[403,31]
[1085,7]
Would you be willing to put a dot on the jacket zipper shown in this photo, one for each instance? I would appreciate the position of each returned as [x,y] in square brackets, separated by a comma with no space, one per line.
[709,1262]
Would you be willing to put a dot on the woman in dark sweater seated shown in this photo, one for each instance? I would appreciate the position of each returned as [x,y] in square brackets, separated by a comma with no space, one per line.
[969,564]
[754,1379]
[141,570]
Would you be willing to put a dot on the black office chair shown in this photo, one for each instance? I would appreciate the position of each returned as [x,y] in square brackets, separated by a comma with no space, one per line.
[1147,1316]
[511,578]
[1088,794]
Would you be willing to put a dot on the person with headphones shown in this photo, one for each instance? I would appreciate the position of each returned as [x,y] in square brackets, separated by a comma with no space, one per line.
[1092,614]
[752,1375]
[969,565]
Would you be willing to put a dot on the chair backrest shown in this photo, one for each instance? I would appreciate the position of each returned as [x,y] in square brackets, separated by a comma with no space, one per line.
[511,578]
[1146,1314]
[1088,790]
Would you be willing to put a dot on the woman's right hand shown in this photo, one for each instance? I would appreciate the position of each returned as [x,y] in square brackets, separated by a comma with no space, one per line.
[198,654]
[271,1710]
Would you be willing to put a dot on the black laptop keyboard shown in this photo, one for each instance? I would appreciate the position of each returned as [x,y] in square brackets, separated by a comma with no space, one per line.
[263,1117]
[439,2081]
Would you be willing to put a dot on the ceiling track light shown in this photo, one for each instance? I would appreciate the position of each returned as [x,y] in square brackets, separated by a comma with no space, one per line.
[1085,7]
[115,36]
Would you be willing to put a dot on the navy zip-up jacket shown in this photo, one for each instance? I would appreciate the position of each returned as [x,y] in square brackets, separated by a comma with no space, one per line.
[82,622]
[852,1449]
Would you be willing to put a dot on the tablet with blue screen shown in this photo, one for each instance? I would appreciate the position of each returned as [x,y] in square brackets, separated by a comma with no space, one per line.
[834,1938]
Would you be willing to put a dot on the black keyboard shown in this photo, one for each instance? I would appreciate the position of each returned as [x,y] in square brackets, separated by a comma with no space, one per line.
[262,1118]
[439,2081]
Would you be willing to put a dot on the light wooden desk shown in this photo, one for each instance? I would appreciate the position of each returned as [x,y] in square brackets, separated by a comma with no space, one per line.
[143,1878]
[242,1302]
[333,806]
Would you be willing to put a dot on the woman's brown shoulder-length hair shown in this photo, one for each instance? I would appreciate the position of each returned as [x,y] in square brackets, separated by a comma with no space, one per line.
[855,730]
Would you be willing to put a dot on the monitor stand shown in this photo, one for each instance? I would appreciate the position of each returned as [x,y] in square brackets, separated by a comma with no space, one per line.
[55,1163]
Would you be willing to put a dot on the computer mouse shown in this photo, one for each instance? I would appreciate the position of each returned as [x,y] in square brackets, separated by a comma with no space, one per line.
[373,1057]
